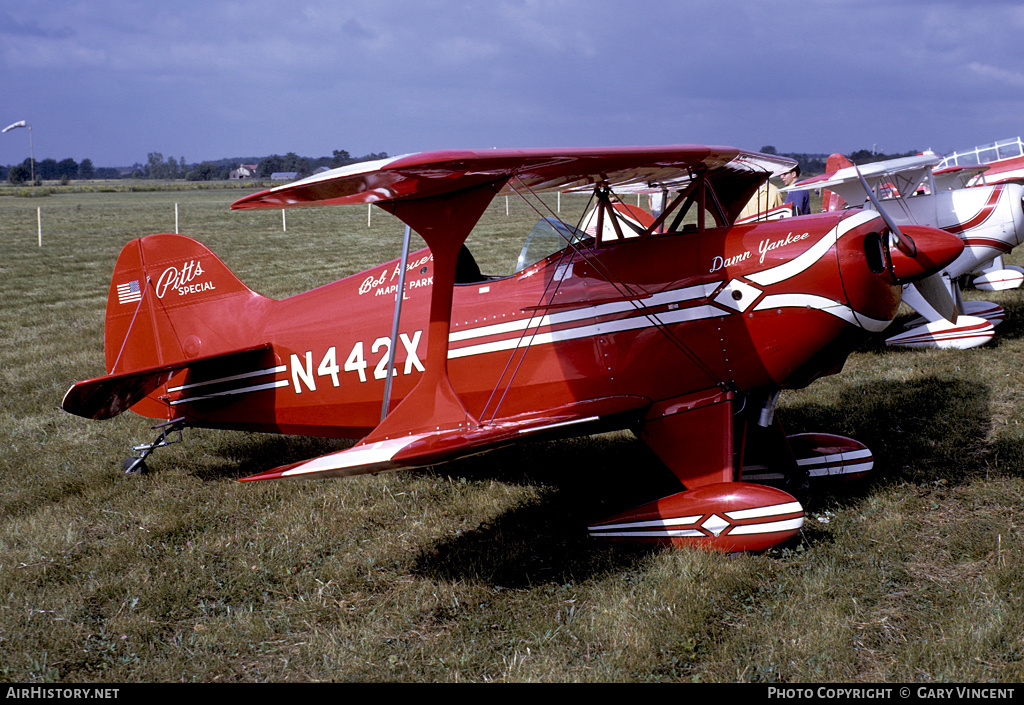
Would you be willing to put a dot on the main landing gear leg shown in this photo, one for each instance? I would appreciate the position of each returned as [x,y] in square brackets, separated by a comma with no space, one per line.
[693,436]
[170,432]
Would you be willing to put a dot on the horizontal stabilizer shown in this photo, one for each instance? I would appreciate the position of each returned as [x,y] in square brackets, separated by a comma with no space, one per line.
[108,396]
[420,449]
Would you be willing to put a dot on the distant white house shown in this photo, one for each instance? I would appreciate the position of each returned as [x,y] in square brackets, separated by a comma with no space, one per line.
[244,171]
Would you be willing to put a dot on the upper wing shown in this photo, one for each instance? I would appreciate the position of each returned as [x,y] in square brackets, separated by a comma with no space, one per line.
[735,174]
[955,177]
[905,174]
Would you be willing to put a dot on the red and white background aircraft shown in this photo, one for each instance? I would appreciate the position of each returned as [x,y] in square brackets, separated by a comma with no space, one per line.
[989,219]
[684,328]
[1003,162]
[999,162]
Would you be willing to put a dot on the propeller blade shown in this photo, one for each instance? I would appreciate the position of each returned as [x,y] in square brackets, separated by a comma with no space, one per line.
[934,290]
[903,242]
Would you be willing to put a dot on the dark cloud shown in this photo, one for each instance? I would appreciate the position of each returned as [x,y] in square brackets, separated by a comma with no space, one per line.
[114,81]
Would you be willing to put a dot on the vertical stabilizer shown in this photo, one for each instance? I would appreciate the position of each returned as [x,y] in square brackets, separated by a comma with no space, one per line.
[831,201]
[172,299]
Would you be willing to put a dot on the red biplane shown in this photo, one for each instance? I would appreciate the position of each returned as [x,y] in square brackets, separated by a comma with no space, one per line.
[683,327]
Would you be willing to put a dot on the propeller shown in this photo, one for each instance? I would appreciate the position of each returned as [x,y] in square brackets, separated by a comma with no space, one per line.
[932,289]
[903,242]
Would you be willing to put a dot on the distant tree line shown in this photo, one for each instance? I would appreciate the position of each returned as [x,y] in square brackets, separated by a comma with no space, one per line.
[49,170]
[303,166]
[159,168]
[813,164]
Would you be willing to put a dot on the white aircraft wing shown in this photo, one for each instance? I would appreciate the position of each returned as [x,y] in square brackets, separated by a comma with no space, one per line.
[904,174]
[955,177]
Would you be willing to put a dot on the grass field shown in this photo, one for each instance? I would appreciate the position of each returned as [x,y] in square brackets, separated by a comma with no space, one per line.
[479,570]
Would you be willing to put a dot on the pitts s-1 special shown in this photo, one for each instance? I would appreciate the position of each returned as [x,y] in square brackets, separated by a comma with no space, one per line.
[682,327]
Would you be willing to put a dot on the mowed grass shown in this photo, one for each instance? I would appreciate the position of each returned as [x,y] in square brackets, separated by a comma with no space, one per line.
[479,570]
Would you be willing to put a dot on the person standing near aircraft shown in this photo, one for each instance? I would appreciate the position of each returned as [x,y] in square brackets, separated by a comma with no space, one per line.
[766,199]
[801,200]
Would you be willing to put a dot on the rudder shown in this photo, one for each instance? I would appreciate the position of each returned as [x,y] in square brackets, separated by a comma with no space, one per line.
[831,201]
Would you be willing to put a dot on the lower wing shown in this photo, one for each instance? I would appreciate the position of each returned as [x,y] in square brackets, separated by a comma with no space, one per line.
[420,449]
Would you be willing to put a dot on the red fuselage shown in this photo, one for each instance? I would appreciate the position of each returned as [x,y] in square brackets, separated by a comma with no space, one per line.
[741,308]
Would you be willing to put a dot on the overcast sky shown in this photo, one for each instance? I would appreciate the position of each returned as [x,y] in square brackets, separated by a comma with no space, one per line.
[211,79]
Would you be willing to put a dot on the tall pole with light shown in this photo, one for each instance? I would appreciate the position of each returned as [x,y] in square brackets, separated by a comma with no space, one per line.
[31,150]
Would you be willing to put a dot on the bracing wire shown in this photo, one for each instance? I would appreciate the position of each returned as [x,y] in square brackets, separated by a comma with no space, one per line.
[574,248]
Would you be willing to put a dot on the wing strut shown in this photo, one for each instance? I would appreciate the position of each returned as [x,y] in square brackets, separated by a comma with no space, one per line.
[394,323]
[621,286]
[444,222]
[700,192]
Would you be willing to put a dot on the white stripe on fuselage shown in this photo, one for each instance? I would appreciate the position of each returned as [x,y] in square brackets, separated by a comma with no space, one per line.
[552,319]
[643,318]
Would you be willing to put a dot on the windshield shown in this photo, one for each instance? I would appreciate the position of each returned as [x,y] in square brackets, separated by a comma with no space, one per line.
[548,236]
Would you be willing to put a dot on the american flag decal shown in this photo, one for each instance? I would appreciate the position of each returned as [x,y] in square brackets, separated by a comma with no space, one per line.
[127,293]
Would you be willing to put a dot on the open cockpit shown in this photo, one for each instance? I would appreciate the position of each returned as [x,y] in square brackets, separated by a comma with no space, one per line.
[609,222]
